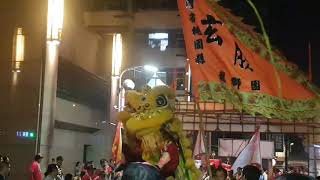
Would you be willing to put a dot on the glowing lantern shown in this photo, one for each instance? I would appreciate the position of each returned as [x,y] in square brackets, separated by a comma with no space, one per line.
[18,50]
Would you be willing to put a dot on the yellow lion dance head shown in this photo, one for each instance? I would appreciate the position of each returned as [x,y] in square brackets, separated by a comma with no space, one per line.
[145,116]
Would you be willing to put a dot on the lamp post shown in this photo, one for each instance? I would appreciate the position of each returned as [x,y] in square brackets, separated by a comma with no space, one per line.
[121,91]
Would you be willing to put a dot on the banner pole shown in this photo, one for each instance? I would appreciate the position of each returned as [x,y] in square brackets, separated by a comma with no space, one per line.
[201,126]
[268,45]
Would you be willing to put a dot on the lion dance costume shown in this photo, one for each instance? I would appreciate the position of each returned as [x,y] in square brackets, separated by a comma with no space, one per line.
[154,144]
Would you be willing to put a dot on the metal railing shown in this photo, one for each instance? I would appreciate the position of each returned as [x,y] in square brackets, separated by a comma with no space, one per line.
[227,114]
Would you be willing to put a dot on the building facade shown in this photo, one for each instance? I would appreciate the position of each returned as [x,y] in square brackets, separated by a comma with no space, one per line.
[77,123]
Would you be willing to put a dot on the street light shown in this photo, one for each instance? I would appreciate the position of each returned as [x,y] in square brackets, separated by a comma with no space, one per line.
[150,68]
[55,20]
[121,92]
[128,84]
[291,144]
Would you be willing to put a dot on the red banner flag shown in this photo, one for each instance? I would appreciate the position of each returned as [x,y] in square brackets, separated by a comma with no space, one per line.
[225,69]
[117,145]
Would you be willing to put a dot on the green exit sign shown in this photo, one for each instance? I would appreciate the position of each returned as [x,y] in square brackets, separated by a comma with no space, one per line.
[26,134]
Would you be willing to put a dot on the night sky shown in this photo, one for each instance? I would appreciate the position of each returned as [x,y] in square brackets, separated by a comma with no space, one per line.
[290,25]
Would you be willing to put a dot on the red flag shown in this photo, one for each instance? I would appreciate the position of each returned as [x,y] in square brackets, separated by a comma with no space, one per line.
[217,162]
[227,167]
[117,145]
[226,69]
[251,154]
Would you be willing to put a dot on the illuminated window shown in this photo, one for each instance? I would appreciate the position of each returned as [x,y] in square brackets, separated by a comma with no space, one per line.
[159,40]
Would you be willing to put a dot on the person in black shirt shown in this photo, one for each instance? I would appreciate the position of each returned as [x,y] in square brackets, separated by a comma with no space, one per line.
[251,172]
[4,167]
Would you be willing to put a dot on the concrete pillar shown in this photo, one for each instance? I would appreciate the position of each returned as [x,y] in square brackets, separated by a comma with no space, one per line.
[49,90]
[109,129]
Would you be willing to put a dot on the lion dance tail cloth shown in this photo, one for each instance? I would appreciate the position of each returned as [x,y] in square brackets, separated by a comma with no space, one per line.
[154,144]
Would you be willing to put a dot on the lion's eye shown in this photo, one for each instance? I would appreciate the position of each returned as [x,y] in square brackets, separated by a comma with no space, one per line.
[161,101]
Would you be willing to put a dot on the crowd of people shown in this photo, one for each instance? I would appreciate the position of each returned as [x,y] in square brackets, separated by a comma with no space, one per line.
[88,171]
[108,171]
[54,171]
[249,172]
[253,172]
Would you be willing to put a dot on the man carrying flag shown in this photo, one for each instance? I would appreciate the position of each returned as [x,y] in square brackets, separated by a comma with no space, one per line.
[250,159]
[251,154]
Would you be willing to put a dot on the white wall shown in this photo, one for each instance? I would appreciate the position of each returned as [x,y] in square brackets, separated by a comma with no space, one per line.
[70,144]
[79,114]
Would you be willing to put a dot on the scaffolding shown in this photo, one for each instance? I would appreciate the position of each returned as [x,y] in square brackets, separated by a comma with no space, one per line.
[222,119]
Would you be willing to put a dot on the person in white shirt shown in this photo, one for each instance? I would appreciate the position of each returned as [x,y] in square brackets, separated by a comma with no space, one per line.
[265,174]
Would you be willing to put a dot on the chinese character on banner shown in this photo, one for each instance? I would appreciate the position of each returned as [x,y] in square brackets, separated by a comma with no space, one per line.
[200,59]
[196,30]
[198,44]
[255,85]
[222,76]
[211,31]
[236,82]
[192,17]
[240,59]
